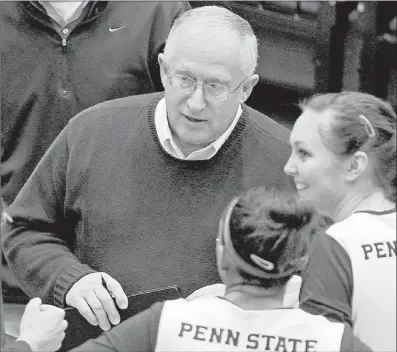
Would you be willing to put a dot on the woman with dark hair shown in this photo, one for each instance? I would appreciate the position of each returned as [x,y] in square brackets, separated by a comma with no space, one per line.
[264,238]
[343,162]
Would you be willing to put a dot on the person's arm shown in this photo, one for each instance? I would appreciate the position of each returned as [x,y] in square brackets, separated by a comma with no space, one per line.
[162,22]
[36,243]
[42,328]
[351,343]
[327,281]
[136,334]
[15,346]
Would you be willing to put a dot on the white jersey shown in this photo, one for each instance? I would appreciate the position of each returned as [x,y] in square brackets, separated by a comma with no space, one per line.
[215,324]
[351,276]
[370,242]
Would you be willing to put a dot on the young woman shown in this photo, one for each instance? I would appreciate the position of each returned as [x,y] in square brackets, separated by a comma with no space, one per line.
[264,237]
[343,162]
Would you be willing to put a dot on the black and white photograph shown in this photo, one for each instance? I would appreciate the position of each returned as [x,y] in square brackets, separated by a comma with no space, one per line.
[198,176]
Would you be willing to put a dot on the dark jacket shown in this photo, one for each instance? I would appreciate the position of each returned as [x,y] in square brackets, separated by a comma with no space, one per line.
[45,82]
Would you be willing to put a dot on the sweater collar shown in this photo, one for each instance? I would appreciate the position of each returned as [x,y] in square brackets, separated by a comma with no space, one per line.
[230,141]
[169,144]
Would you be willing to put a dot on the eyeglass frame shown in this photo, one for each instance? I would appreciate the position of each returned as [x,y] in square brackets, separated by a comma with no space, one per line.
[230,92]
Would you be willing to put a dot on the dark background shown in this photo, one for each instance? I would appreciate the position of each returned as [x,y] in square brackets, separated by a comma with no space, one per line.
[308,47]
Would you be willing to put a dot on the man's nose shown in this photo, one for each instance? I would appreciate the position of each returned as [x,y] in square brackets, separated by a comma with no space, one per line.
[196,100]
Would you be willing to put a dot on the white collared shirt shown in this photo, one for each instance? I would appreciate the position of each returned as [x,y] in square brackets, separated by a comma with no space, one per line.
[168,143]
[64,12]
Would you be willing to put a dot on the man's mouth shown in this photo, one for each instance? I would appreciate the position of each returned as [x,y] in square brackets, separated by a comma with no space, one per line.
[192,119]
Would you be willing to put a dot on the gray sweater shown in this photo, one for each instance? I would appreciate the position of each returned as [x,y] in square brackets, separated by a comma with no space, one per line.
[107,197]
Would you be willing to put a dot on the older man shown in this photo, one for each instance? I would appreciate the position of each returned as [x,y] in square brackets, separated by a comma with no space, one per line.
[130,192]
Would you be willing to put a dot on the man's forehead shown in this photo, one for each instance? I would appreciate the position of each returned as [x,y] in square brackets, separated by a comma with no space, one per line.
[206,44]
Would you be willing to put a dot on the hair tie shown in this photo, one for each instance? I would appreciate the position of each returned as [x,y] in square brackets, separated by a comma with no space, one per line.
[368,127]
[262,263]
[264,268]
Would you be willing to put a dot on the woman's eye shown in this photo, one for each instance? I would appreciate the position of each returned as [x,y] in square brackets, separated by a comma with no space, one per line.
[303,153]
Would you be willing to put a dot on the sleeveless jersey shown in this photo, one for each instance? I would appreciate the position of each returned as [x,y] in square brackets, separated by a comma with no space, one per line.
[370,242]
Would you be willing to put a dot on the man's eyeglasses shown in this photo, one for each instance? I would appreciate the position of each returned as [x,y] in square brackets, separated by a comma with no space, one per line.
[212,91]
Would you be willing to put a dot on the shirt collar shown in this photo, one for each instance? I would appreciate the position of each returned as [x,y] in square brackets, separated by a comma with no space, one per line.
[58,13]
[168,143]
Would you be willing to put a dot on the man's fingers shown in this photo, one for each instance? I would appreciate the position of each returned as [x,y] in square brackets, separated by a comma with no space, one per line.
[82,306]
[33,305]
[62,326]
[94,300]
[55,314]
[115,288]
[54,310]
[59,327]
[98,310]
[108,304]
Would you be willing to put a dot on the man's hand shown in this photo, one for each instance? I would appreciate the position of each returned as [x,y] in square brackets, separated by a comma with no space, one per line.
[94,301]
[42,326]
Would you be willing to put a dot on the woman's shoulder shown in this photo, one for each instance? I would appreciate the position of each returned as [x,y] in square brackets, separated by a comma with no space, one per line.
[364,222]
[365,233]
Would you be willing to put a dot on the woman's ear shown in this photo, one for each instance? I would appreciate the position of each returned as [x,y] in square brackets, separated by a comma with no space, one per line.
[356,166]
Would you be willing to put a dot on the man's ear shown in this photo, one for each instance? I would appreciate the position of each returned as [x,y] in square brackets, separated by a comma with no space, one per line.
[356,166]
[163,68]
[248,86]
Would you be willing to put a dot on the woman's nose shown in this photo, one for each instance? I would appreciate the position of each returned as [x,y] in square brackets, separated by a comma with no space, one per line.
[288,168]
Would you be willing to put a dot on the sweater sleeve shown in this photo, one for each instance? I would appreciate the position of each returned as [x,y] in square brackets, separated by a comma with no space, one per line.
[327,281]
[37,243]
[136,334]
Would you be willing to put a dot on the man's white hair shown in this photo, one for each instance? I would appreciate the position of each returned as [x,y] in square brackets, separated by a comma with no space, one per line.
[216,20]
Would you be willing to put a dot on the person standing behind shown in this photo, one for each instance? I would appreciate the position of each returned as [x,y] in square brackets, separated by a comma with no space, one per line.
[130,191]
[42,327]
[61,57]
[343,162]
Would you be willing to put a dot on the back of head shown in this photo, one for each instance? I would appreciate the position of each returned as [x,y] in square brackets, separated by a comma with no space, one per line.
[271,231]
[218,24]
[363,122]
